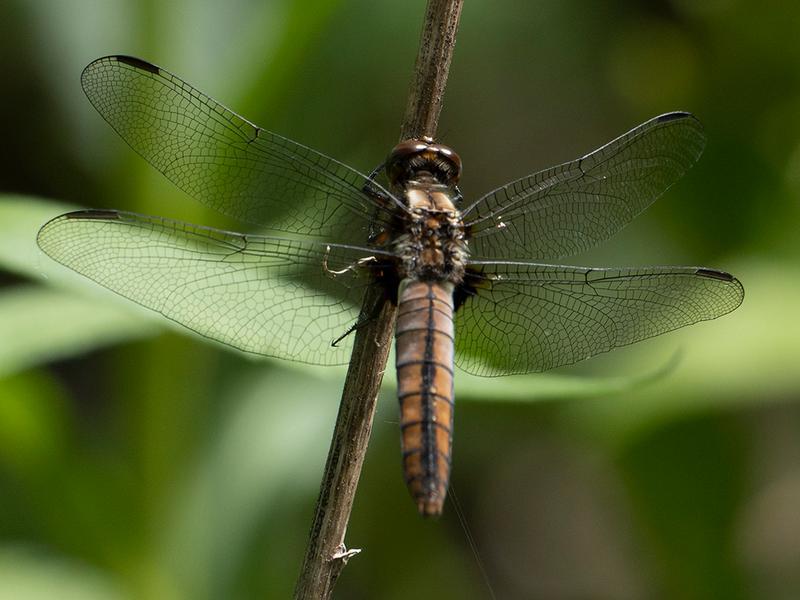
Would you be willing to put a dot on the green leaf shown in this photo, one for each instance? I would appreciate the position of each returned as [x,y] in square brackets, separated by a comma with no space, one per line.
[21,217]
[70,315]
[541,387]
[41,325]
[29,575]
[20,220]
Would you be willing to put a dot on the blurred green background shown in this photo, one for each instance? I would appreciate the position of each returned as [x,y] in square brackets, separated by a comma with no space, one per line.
[137,461]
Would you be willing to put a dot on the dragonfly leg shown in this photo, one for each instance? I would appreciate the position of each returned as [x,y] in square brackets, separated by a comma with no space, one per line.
[457,199]
[333,273]
[351,329]
[360,322]
[374,190]
[354,327]
[374,173]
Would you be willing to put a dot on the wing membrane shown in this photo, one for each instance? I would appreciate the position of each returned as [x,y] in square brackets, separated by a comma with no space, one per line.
[265,295]
[226,162]
[571,207]
[531,317]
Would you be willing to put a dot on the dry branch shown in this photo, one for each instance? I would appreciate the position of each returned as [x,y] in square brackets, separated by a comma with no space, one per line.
[326,553]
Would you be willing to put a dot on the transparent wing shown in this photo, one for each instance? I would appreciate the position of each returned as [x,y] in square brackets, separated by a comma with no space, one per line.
[527,317]
[571,207]
[226,162]
[270,296]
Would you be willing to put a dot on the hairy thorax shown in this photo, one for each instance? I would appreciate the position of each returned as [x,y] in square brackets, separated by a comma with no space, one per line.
[433,247]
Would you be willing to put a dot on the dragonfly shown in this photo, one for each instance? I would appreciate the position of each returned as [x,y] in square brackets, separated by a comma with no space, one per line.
[467,277]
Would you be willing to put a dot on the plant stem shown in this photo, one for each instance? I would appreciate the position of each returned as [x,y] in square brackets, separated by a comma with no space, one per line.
[326,553]
[436,47]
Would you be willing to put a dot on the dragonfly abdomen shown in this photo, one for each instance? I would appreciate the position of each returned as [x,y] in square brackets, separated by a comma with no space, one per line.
[425,388]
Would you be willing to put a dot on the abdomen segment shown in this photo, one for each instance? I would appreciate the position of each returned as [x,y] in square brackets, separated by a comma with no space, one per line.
[425,388]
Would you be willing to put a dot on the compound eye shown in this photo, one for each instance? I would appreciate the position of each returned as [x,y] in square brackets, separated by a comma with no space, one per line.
[397,165]
[412,156]
[450,163]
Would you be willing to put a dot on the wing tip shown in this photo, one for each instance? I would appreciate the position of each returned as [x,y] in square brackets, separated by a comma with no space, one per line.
[674,116]
[715,274]
[725,277]
[684,116]
[137,63]
[680,115]
[132,61]
[686,119]
[86,214]
[92,213]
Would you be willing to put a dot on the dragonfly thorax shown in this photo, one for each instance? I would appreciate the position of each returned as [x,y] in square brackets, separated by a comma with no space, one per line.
[433,245]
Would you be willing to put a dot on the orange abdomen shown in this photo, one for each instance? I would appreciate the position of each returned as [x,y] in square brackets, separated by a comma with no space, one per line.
[425,388]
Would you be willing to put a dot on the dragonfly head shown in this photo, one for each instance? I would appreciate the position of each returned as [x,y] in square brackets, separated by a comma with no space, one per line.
[411,158]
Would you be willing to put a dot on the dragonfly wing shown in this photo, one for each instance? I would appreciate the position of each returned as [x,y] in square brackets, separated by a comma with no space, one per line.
[259,294]
[569,208]
[526,317]
[228,163]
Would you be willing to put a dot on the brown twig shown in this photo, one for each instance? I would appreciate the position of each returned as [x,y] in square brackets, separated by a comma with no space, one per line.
[433,65]
[326,553]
